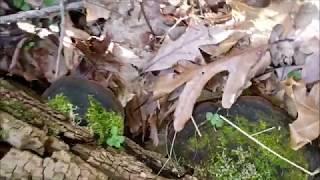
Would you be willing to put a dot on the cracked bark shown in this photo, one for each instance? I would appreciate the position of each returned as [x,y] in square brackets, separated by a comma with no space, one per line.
[46,145]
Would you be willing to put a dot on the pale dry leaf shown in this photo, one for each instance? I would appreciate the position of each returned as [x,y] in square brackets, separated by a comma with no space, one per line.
[96,10]
[131,32]
[311,69]
[186,47]
[224,46]
[307,126]
[72,55]
[134,116]
[71,31]
[166,83]
[239,68]
[46,56]
[305,14]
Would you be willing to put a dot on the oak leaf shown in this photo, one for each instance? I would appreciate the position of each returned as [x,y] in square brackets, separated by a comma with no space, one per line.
[241,67]
[186,47]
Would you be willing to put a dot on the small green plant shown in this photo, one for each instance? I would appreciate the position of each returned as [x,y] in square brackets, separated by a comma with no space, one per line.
[29,45]
[107,125]
[295,74]
[62,104]
[49,2]
[115,140]
[21,4]
[214,119]
[24,6]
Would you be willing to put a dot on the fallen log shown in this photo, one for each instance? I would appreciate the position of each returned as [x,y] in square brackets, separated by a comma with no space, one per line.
[40,143]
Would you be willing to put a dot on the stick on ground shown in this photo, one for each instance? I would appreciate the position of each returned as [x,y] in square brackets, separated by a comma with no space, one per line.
[38,13]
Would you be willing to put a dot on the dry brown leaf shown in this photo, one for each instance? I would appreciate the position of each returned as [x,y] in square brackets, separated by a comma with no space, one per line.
[46,56]
[311,69]
[186,47]
[240,69]
[307,126]
[168,82]
[134,116]
[224,46]
[71,31]
[128,28]
[96,10]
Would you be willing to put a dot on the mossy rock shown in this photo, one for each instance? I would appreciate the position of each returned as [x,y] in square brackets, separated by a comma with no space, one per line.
[224,153]
[78,90]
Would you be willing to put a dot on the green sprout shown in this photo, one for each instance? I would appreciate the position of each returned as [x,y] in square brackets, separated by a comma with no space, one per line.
[49,2]
[108,125]
[115,140]
[214,119]
[21,4]
[29,45]
[295,74]
[62,104]
[24,6]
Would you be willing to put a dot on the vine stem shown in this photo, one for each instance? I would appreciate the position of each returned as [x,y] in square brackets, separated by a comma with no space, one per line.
[317,171]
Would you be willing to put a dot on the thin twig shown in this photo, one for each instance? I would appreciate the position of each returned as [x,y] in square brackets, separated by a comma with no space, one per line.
[145,17]
[196,126]
[177,23]
[16,53]
[38,13]
[317,171]
[62,25]
[170,154]
[260,132]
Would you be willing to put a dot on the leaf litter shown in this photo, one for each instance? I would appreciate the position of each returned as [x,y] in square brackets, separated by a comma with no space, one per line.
[159,63]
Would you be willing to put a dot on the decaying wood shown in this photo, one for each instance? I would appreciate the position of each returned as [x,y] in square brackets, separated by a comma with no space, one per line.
[44,144]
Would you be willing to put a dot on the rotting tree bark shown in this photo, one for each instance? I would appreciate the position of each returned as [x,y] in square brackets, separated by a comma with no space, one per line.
[39,143]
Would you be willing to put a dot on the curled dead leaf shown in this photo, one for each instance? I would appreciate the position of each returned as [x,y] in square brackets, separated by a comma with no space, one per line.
[166,83]
[240,68]
[307,126]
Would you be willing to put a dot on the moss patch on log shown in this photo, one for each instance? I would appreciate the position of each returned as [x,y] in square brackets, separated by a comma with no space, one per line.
[234,156]
[107,125]
[21,112]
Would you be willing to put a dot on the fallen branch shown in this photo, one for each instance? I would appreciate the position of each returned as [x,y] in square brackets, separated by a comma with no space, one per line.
[38,13]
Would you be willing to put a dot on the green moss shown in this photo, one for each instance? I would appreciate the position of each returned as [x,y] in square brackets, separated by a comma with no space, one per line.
[233,156]
[17,109]
[61,103]
[107,125]
[102,121]
[197,142]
